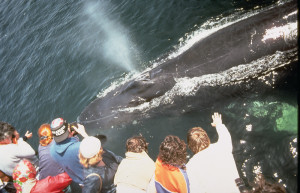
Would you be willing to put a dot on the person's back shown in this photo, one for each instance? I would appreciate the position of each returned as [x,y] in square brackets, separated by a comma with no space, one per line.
[66,155]
[212,168]
[12,153]
[170,174]
[47,165]
[136,170]
[100,166]
[65,149]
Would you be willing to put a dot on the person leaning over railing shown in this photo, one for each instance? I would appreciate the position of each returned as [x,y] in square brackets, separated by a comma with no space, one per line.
[100,166]
[65,148]
[170,172]
[12,150]
[212,168]
[136,169]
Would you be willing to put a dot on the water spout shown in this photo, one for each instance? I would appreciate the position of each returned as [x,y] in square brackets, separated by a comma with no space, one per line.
[112,39]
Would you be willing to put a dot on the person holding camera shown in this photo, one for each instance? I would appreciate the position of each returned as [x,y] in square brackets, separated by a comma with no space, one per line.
[65,149]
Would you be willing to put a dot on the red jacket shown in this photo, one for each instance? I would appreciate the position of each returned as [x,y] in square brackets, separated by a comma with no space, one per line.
[52,184]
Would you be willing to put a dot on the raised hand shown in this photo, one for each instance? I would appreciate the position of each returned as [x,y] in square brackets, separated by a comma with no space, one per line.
[217,119]
[28,135]
[81,130]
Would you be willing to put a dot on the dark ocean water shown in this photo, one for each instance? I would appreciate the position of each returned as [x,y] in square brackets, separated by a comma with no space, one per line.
[57,56]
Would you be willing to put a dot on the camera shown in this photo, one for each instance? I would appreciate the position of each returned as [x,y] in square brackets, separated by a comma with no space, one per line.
[72,125]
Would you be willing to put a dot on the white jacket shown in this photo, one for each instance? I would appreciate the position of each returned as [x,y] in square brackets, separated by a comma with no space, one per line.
[134,173]
[213,169]
[12,154]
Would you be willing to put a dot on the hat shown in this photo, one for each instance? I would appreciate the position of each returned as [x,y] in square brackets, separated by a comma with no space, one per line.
[89,147]
[59,128]
[24,175]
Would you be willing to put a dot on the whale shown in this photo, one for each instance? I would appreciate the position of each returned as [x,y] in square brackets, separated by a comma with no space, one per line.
[254,54]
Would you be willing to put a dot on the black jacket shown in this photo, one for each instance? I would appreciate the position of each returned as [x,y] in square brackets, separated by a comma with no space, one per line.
[107,174]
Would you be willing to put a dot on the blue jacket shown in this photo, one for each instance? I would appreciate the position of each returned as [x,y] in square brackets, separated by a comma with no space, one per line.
[66,154]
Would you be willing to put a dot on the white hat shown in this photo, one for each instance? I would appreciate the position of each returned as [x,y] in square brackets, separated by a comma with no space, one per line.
[89,147]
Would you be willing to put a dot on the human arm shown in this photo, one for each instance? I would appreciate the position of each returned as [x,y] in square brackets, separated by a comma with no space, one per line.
[27,136]
[224,135]
[81,130]
[24,150]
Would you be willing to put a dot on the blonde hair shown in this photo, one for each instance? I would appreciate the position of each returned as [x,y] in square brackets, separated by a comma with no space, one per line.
[197,139]
[45,134]
[87,162]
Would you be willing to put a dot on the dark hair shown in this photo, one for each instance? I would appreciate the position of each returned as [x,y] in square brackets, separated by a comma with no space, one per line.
[172,151]
[263,186]
[6,130]
[137,144]
[197,139]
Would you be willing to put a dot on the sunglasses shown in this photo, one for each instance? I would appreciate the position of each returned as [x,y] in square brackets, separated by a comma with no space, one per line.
[43,137]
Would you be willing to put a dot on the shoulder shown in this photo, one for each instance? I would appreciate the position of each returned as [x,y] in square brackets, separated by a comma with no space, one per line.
[4,148]
[92,182]
[8,151]
[110,156]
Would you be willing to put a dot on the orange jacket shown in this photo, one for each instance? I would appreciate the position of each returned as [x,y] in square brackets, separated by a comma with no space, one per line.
[170,179]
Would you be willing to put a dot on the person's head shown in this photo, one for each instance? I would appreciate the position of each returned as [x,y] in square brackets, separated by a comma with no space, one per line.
[15,136]
[6,133]
[60,129]
[197,139]
[172,151]
[263,186]
[45,134]
[24,176]
[136,144]
[90,151]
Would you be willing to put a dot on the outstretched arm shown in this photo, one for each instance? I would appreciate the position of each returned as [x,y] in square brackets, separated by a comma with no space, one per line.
[24,150]
[27,135]
[81,130]
[224,135]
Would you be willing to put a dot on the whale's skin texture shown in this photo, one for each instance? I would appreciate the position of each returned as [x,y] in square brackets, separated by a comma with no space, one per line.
[236,59]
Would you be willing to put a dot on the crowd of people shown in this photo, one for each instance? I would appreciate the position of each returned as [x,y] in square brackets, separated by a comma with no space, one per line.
[66,164]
